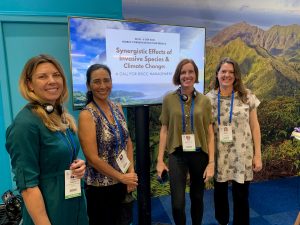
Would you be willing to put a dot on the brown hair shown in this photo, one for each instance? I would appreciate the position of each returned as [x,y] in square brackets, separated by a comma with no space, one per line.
[238,85]
[176,76]
[52,121]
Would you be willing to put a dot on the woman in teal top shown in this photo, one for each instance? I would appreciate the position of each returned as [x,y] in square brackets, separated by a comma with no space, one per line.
[43,147]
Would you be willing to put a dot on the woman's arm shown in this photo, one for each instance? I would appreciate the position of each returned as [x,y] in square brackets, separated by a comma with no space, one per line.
[129,152]
[130,155]
[209,171]
[35,206]
[211,144]
[130,187]
[87,137]
[255,130]
[161,166]
[24,150]
[129,148]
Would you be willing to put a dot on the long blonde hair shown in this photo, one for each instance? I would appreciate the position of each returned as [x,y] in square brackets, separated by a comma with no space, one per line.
[53,121]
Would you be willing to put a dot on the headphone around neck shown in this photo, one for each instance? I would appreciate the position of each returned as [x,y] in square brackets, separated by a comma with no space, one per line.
[49,108]
[185,97]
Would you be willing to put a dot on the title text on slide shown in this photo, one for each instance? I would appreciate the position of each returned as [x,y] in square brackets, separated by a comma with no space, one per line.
[130,55]
[142,51]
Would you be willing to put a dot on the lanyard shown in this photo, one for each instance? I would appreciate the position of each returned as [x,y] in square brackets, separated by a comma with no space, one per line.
[191,115]
[69,141]
[219,107]
[111,127]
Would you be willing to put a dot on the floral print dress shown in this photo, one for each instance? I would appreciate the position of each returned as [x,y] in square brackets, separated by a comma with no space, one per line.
[234,159]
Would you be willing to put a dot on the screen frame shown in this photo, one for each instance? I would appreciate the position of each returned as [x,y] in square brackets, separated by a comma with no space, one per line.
[134,21]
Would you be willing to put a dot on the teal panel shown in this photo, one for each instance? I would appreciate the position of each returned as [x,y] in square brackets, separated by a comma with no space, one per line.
[24,40]
[20,40]
[103,8]
[5,181]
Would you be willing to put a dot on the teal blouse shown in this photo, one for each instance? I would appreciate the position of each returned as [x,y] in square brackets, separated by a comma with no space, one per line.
[39,157]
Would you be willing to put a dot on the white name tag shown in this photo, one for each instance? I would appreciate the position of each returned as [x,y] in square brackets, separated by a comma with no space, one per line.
[188,142]
[72,185]
[225,134]
[123,162]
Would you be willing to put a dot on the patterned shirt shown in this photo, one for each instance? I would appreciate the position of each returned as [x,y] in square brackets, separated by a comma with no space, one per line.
[234,159]
[108,146]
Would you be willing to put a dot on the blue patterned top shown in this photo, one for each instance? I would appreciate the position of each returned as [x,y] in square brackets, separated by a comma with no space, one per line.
[106,144]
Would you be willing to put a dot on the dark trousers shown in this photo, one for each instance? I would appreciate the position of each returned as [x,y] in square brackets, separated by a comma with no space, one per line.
[240,194]
[180,163]
[104,204]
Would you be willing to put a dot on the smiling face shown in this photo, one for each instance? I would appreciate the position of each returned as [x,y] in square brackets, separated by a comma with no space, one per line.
[226,76]
[46,82]
[100,84]
[187,76]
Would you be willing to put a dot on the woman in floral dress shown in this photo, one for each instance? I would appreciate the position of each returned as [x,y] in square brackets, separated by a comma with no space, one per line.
[237,141]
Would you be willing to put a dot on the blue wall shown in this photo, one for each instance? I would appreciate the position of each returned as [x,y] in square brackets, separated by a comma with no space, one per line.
[28,28]
[96,8]
[5,181]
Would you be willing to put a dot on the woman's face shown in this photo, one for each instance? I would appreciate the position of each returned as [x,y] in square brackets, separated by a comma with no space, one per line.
[226,75]
[100,84]
[187,76]
[46,83]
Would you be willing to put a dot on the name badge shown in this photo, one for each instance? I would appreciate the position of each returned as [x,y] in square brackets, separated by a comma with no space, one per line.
[72,185]
[123,162]
[225,134]
[188,142]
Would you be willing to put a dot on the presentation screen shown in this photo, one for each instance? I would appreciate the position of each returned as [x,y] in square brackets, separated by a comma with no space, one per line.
[141,56]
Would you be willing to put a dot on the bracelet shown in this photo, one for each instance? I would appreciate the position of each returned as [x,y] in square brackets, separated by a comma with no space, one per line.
[210,162]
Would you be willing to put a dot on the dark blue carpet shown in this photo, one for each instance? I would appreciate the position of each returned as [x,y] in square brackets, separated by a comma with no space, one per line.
[275,202]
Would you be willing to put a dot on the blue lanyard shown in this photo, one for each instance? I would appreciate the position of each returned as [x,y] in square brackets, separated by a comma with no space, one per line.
[219,107]
[69,141]
[112,128]
[191,115]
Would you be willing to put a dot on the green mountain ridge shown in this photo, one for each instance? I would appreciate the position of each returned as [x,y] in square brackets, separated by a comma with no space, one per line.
[267,76]
[278,40]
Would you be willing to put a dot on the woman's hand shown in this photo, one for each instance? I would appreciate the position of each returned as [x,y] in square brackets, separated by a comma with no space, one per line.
[129,179]
[78,168]
[131,188]
[209,171]
[257,164]
[160,167]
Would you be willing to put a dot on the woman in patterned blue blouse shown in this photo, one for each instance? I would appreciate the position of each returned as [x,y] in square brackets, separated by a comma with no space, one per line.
[105,141]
